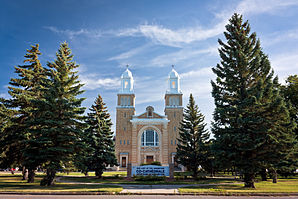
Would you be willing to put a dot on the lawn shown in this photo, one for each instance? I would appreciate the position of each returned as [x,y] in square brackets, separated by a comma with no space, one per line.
[14,183]
[121,180]
[118,177]
[283,186]
[107,173]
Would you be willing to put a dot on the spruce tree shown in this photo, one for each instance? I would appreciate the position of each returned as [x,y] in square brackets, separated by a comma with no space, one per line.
[5,122]
[98,140]
[22,90]
[290,92]
[60,115]
[192,148]
[251,122]
[287,166]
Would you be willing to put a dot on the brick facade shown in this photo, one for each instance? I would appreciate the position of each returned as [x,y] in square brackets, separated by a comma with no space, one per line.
[160,140]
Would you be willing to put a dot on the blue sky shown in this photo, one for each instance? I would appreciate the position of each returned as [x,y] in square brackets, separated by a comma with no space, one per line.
[150,36]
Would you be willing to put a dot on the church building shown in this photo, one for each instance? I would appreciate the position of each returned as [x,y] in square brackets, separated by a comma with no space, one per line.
[148,136]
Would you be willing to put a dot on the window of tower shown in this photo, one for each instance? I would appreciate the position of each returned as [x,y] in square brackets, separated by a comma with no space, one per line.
[149,138]
[128,101]
[171,101]
[173,84]
[125,101]
[175,101]
[125,84]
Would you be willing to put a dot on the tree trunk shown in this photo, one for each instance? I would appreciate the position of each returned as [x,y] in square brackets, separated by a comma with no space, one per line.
[48,180]
[249,180]
[274,176]
[24,173]
[195,174]
[212,173]
[51,177]
[31,175]
[98,173]
[263,174]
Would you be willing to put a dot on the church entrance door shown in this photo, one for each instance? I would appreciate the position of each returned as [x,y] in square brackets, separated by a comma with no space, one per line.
[123,162]
[149,159]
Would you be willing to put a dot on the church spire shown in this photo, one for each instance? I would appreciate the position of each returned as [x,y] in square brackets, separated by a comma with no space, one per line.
[173,82]
[126,82]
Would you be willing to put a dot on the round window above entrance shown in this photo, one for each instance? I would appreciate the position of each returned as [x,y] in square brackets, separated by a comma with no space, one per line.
[149,138]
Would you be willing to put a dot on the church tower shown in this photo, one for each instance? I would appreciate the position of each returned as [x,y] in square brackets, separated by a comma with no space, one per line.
[174,111]
[124,112]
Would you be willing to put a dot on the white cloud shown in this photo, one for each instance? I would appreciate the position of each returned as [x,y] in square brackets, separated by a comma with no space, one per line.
[175,38]
[129,32]
[198,82]
[182,55]
[92,82]
[130,53]
[280,36]
[264,6]
[180,37]
[73,33]
[285,65]
[203,72]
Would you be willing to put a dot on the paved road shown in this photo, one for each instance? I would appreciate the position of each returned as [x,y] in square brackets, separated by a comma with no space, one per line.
[135,197]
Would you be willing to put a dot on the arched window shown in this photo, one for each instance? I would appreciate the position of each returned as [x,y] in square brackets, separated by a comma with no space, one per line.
[173,84]
[149,138]
[126,84]
[149,110]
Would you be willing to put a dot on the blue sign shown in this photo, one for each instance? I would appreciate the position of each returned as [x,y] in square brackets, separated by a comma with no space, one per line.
[150,170]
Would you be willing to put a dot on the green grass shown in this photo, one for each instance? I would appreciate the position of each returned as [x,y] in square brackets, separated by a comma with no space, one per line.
[92,179]
[106,174]
[13,183]
[283,186]
[113,173]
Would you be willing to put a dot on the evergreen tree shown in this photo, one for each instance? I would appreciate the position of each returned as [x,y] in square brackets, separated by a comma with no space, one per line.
[290,92]
[60,115]
[5,122]
[288,166]
[192,148]
[251,122]
[5,116]
[98,140]
[22,90]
